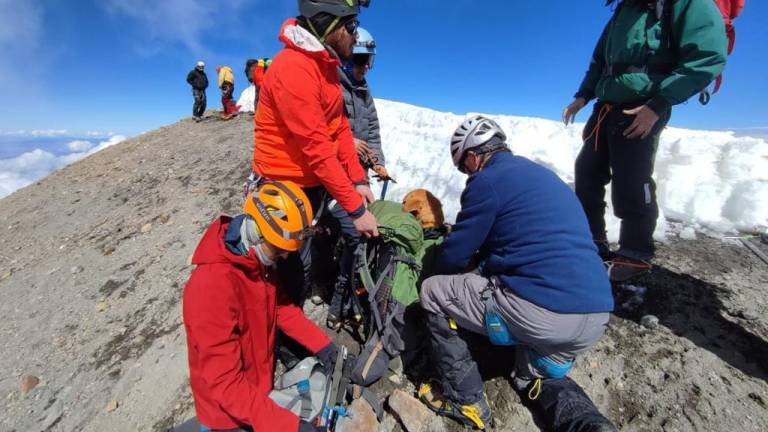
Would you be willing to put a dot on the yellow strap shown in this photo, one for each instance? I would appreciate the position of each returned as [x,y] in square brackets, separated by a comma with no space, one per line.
[535,390]
[452,324]
[471,412]
[424,389]
[327,31]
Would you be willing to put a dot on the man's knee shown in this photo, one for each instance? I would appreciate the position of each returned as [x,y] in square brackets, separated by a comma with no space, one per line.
[428,297]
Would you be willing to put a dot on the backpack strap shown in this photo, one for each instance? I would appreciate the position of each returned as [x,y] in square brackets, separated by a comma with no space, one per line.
[367,281]
[304,397]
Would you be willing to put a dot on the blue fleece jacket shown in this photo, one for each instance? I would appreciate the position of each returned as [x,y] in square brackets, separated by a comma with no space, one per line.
[528,228]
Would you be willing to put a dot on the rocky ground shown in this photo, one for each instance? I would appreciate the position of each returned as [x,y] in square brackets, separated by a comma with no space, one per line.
[93,261]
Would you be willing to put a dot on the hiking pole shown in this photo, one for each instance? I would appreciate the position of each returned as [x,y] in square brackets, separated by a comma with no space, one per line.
[326,418]
[384,190]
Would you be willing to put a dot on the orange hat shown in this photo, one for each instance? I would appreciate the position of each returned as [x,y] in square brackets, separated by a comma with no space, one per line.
[425,206]
[282,213]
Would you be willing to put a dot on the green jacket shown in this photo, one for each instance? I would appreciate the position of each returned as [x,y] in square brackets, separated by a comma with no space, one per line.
[695,56]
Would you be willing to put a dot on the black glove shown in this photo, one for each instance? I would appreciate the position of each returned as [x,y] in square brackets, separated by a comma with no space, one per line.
[327,357]
[309,427]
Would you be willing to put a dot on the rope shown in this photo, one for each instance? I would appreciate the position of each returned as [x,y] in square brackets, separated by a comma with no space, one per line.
[601,115]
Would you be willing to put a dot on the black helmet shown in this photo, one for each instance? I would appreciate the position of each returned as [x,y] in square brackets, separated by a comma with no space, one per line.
[337,8]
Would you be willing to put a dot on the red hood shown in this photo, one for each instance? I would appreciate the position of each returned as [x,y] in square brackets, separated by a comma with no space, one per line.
[212,250]
[298,38]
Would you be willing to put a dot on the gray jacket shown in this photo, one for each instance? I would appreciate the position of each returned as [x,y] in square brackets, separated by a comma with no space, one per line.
[361,112]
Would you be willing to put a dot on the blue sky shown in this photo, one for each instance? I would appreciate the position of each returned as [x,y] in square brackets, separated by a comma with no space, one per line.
[120,65]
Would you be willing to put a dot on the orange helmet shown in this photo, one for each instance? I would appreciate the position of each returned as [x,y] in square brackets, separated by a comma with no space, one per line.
[282,212]
[425,206]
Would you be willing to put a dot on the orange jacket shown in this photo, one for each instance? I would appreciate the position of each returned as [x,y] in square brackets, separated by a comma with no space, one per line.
[301,133]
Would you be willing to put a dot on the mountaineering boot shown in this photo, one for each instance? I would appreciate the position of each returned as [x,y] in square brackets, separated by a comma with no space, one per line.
[334,319]
[564,407]
[477,415]
[621,269]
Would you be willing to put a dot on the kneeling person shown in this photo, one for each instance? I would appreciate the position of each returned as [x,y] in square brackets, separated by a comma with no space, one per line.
[538,269]
[232,310]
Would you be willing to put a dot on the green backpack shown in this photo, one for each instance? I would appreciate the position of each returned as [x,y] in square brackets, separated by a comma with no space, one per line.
[388,268]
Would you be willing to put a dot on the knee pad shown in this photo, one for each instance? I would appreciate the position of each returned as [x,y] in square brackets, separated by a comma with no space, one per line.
[549,368]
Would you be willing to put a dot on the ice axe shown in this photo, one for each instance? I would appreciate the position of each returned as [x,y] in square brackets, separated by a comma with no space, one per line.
[384,190]
[385,186]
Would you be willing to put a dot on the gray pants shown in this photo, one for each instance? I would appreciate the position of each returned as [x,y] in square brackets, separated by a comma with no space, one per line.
[558,337]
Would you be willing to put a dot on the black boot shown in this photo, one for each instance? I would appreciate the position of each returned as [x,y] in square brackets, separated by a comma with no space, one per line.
[564,407]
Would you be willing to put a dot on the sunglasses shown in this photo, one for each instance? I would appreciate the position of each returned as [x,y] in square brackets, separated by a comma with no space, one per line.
[362,60]
[351,26]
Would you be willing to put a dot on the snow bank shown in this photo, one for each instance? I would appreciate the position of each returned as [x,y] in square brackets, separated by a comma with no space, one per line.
[705,179]
[29,167]
[247,98]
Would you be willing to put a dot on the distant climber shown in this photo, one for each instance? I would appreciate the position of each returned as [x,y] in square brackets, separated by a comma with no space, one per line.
[199,82]
[232,310]
[227,86]
[651,55]
[256,69]
[537,283]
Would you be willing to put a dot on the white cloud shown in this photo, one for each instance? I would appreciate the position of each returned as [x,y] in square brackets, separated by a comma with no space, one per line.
[31,166]
[79,146]
[38,133]
[178,21]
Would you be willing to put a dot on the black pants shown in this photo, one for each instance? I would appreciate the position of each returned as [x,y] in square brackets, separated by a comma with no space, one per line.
[200,102]
[460,378]
[608,156]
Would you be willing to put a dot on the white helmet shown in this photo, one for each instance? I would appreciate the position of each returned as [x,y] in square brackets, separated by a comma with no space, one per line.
[201,64]
[474,132]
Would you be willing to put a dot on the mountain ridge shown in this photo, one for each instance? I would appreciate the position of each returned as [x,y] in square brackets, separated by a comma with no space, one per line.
[95,257]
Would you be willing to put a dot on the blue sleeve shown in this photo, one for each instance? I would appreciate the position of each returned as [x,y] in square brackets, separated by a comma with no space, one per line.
[473,223]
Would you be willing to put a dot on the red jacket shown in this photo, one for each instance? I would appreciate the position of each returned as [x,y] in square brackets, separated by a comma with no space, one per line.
[232,310]
[301,132]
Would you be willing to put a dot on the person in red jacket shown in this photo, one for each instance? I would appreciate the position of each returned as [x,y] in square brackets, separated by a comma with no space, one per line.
[232,310]
[301,132]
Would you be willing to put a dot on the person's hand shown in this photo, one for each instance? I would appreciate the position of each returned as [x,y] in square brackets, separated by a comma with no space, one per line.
[365,193]
[363,151]
[367,225]
[569,113]
[381,171]
[327,357]
[645,119]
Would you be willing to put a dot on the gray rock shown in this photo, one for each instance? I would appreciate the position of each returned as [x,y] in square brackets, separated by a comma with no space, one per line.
[649,321]
[413,414]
